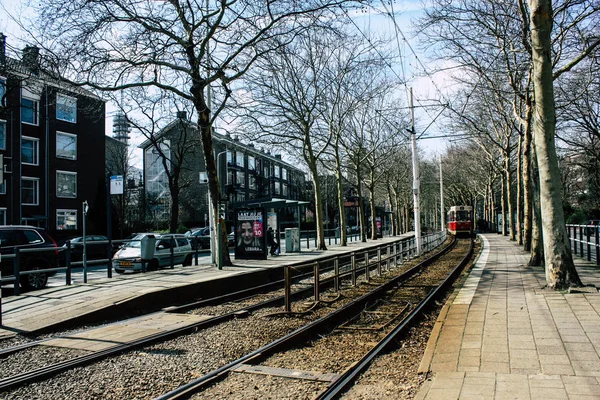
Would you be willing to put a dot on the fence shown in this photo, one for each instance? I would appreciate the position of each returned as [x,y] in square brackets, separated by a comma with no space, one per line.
[584,241]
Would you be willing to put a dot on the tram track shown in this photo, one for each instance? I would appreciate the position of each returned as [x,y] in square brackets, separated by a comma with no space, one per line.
[244,302]
[268,365]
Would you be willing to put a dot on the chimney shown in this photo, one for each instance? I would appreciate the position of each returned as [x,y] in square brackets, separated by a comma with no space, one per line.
[278,156]
[2,49]
[31,56]
[182,115]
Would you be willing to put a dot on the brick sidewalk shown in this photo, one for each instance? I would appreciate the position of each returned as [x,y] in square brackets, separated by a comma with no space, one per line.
[504,337]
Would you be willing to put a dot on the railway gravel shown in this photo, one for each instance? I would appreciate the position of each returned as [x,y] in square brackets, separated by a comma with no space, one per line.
[160,368]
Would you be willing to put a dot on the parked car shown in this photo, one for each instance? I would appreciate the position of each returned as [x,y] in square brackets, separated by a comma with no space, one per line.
[96,246]
[199,238]
[28,237]
[129,256]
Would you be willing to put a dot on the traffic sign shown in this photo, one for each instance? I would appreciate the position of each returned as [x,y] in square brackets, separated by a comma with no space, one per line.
[116,184]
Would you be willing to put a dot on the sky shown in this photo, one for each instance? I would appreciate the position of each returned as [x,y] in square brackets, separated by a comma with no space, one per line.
[405,12]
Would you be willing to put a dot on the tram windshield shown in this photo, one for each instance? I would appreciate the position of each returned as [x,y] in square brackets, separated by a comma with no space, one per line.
[462,216]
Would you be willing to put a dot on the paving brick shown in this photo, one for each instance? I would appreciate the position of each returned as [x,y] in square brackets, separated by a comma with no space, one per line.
[548,393]
[560,369]
[493,366]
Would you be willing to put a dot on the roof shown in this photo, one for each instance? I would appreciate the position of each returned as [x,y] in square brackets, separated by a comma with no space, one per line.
[47,77]
[218,138]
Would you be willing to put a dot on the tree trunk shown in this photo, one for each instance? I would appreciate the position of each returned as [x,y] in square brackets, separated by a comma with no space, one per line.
[509,203]
[520,191]
[392,208]
[340,193]
[503,205]
[560,269]
[537,245]
[318,206]
[527,180]
[373,212]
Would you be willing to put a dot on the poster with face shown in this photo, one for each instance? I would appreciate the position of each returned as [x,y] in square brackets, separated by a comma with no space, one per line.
[250,237]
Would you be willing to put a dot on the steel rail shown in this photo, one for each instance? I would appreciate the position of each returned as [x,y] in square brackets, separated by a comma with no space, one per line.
[336,388]
[50,370]
[309,330]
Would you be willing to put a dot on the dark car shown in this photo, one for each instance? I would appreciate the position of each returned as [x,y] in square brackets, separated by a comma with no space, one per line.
[28,237]
[95,245]
[199,238]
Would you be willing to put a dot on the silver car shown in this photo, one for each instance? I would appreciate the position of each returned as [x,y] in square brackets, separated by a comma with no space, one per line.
[129,257]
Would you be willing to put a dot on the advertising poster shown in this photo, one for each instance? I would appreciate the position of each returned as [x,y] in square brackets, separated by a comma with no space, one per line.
[250,238]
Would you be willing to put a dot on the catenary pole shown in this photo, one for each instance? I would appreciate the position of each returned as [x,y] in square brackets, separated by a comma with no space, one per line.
[416,182]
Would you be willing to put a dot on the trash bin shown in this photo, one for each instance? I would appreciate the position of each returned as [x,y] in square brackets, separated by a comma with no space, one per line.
[292,240]
[147,247]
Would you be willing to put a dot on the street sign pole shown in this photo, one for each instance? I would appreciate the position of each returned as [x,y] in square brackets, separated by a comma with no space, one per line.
[85,211]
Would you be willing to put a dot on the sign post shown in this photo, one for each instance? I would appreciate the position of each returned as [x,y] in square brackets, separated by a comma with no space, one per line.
[85,211]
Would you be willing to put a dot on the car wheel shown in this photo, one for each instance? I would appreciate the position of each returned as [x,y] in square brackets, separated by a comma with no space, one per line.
[34,281]
[188,260]
[153,265]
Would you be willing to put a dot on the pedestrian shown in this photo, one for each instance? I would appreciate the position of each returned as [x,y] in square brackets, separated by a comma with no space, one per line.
[271,241]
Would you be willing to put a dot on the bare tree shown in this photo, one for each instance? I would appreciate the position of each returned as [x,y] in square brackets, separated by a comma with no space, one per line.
[183,47]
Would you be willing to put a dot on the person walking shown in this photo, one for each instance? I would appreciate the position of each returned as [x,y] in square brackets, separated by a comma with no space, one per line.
[271,241]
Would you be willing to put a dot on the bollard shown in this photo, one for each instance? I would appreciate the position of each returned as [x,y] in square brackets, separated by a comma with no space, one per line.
[68,263]
[581,241]
[171,255]
[336,278]
[316,278]
[388,258]
[109,258]
[17,271]
[597,234]
[574,246]
[367,277]
[287,289]
[353,262]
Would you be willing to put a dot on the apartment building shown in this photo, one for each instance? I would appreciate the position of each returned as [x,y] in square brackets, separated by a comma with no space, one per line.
[52,147]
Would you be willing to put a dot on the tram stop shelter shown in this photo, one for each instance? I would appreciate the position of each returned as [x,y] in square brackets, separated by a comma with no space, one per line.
[272,208]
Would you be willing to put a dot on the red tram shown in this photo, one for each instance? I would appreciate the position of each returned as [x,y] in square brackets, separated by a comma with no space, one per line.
[460,220]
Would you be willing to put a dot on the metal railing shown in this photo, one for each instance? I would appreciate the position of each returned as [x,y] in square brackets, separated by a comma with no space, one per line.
[378,258]
[585,241]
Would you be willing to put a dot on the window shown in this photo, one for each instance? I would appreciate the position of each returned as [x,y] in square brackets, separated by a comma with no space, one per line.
[2,135]
[252,182]
[66,219]
[241,179]
[266,172]
[30,150]
[284,174]
[239,159]
[32,237]
[230,177]
[284,189]
[251,163]
[30,191]
[277,188]
[259,166]
[66,108]
[29,111]
[229,158]
[2,216]
[276,171]
[3,186]
[240,197]
[66,184]
[66,146]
